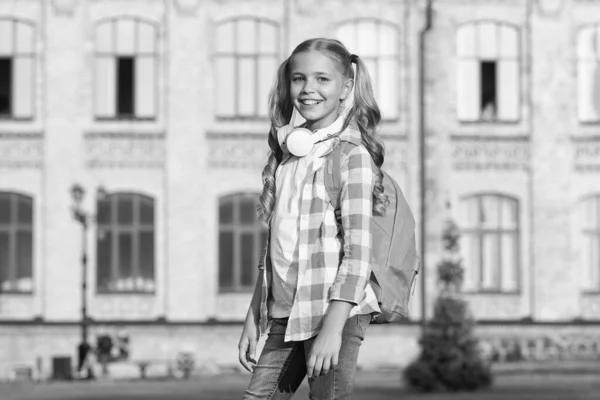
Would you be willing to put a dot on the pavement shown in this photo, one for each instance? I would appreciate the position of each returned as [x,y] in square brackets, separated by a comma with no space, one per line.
[370,385]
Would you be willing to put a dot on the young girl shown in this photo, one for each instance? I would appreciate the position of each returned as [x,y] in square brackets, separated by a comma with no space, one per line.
[313,285]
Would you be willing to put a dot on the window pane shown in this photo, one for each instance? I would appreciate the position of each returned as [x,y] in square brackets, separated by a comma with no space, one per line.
[588,73]
[267,69]
[346,33]
[25,38]
[490,262]
[145,87]
[125,86]
[106,82]
[247,211]
[586,44]
[468,90]
[509,214]
[388,42]
[23,87]
[6,73]
[226,212]
[226,259]
[225,86]
[466,41]
[24,254]
[6,38]
[146,38]
[487,41]
[268,38]
[247,86]
[224,42]
[25,210]
[373,71]
[125,37]
[470,212]
[387,96]
[103,259]
[125,255]
[367,38]
[104,211]
[508,90]
[5,208]
[4,259]
[510,262]
[146,211]
[509,42]
[472,261]
[246,36]
[490,212]
[146,256]
[248,264]
[489,101]
[125,209]
[104,38]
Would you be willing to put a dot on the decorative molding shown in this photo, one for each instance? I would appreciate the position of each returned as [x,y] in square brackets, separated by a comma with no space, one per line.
[123,307]
[65,7]
[21,150]
[189,7]
[236,151]
[586,155]
[500,155]
[126,150]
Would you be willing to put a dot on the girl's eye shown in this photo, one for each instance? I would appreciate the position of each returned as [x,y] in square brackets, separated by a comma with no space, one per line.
[323,79]
[297,79]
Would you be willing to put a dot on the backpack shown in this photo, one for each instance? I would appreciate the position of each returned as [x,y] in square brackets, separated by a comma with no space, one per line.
[393,240]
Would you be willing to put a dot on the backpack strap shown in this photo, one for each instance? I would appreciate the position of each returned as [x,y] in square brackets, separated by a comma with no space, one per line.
[333,176]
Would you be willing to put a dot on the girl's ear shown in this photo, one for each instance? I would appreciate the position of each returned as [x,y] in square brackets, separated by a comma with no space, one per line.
[348,85]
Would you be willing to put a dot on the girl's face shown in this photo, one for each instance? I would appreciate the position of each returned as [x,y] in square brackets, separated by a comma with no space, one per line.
[317,87]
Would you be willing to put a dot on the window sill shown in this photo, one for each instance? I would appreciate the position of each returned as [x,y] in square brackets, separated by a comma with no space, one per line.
[490,122]
[125,293]
[239,118]
[8,118]
[125,119]
[591,293]
[225,291]
[16,293]
[491,293]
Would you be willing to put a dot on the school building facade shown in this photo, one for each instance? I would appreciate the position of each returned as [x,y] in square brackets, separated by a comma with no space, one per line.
[157,109]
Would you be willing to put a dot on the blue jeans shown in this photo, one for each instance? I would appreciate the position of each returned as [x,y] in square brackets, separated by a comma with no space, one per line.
[281,367]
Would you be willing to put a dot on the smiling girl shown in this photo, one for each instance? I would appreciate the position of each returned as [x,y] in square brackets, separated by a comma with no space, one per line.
[313,287]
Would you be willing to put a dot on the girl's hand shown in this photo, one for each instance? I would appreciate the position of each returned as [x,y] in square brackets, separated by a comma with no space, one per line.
[324,353]
[247,345]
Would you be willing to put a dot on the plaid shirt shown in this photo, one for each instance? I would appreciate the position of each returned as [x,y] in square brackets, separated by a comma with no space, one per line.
[320,249]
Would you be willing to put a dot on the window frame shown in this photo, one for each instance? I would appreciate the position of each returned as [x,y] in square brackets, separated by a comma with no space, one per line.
[13,228]
[16,54]
[258,229]
[135,228]
[595,231]
[236,55]
[479,232]
[519,59]
[136,54]
[578,60]
[397,57]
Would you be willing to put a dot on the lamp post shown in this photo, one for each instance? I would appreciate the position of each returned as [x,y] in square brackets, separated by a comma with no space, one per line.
[84,218]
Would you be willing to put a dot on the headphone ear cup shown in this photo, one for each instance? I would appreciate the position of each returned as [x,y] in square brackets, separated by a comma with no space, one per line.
[299,142]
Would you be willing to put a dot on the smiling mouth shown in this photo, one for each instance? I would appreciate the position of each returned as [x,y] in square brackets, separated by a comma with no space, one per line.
[310,102]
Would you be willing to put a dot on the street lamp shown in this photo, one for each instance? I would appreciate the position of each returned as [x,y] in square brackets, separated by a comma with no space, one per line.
[84,218]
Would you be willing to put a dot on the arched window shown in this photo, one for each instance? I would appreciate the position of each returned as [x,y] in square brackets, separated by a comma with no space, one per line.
[588,73]
[126,53]
[242,238]
[488,69]
[490,243]
[590,243]
[16,243]
[125,258]
[17,69]
[246,57]
[377,43]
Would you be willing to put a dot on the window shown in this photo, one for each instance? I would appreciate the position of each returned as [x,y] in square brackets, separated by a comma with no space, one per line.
[125,69]
[488,88]
[588,73]
[246,57]
[590,243]
[125,244]
[16,243]
[490,243]
[377,44]
[242,238]
[17,69]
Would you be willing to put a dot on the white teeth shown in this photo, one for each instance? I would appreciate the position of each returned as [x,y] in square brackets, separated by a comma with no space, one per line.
[309,102]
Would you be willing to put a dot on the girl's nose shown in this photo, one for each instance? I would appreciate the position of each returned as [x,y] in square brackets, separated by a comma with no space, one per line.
[308,86]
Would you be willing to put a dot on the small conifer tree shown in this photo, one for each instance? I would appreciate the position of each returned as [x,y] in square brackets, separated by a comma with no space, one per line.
[450,359]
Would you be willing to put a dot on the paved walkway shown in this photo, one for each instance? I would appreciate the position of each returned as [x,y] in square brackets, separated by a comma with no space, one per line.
[383,385]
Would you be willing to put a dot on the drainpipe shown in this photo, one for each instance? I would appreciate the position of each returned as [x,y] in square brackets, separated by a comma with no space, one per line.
[422,155]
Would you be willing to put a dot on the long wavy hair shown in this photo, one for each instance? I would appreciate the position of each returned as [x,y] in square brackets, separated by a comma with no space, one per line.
[364,114]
